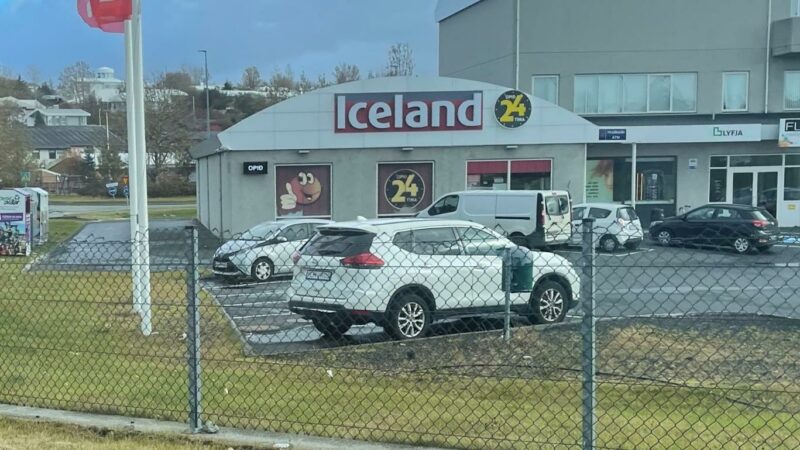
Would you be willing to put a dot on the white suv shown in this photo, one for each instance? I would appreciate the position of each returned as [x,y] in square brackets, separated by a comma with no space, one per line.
[404,274]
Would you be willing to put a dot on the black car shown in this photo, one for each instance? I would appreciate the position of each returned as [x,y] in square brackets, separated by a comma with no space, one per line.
[742,227]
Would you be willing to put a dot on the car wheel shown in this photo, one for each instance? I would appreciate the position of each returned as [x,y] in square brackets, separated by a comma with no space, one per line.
[549,303]
[262,269]
[608,243]
[332,327]
[742,245]
[409,317]
[664,237]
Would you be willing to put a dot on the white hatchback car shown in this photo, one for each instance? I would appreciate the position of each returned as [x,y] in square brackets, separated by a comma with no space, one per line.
[265,250]
[404,274]
[615,225]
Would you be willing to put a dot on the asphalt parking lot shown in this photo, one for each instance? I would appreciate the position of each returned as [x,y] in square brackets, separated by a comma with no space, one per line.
[651,281]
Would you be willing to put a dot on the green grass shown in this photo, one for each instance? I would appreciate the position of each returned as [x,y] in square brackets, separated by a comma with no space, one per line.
[154,214]
[83,199]
[69,340]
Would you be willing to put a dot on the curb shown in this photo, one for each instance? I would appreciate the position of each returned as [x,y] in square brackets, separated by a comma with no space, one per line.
[225,436]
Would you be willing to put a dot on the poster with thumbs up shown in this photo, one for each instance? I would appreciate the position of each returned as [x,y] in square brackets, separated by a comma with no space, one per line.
[303,190]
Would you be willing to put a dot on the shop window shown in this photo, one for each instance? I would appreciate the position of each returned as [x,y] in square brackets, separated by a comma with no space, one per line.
[719,161]
[759,160]
[734,91]
[546,87]
[513,175]
[793,160]
[791,183]
[609,180]
[530,175]
[791,90]
[717,185]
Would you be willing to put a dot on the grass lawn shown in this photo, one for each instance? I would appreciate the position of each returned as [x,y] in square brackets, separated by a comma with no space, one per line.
[82,199]
[69,340]
[26,435]
[154,213]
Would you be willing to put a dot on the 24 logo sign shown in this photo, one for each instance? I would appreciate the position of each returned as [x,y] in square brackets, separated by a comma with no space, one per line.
[404,189]
[512,109]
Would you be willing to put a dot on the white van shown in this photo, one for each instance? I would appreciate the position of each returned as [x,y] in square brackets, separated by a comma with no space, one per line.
[533,219]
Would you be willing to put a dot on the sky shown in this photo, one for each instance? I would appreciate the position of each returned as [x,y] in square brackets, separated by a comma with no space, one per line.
[310,35]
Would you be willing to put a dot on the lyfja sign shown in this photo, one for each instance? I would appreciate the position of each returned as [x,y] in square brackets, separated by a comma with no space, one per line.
[728,132]
[512,109]
[408,111]
[255,168]
[789,135]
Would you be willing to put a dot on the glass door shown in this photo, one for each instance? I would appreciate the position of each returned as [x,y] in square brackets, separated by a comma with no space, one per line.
[742,188]
[755,188]
[767,192]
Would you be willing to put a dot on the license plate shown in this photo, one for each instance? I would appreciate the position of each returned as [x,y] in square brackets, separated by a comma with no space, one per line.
[318,275]
[220,265]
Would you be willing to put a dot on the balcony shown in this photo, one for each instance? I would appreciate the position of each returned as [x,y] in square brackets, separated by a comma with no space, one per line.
[786,37]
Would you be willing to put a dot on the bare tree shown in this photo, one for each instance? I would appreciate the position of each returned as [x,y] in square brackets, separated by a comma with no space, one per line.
[282,80]
[197,73]
[34,75]
[251,78]
[304,84]
[401,61]
[322,81]
[344,73]
[180,80]
[72,82]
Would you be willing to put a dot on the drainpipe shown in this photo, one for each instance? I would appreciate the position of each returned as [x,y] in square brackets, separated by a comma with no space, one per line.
[634,151]
[516,51]
[766,65]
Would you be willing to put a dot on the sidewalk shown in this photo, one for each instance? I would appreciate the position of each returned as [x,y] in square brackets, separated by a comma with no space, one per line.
[225,436]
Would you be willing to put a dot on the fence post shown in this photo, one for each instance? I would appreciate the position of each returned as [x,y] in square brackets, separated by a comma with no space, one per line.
[589,353]
[193,329]
[507,291]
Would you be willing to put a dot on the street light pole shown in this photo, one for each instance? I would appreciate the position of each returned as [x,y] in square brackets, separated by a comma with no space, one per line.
[208,101]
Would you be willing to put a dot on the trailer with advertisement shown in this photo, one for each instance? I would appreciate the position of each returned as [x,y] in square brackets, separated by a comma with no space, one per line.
[40,214]
[15,222]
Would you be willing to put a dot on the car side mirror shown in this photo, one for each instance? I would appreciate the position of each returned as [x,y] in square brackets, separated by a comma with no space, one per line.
[281,239]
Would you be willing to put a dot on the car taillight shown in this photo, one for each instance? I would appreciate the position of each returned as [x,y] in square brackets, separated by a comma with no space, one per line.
[363,261]
[760,223]
[295,257]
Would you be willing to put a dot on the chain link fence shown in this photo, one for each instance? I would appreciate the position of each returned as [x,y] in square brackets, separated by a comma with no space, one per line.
[423,332]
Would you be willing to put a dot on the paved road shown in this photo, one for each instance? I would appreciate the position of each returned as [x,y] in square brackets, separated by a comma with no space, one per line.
[66,210]
[648,282]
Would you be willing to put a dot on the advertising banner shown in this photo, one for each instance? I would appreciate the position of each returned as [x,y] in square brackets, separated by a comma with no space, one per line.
[789,133]
[600,180]
[15,223]
[404,188]
[303,190]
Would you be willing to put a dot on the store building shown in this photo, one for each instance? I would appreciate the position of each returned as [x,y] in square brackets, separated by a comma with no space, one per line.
[385,147]
[705,94]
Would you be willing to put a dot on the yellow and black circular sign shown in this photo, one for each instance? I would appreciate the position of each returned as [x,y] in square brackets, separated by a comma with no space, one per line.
[512,109]
[404,189]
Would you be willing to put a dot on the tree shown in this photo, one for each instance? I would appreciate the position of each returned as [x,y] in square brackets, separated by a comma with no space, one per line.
[34,75]
[44,89]
[344,73]
[283,80]
[251,78]
[72,82]
[249,104]
[227,86]
[401,61]
[168,125]
[304,84]
[14,87]
[322,81]
[15,149]
[180,80]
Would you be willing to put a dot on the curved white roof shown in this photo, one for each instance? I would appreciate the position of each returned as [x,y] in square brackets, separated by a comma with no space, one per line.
[105,70]
[306,122]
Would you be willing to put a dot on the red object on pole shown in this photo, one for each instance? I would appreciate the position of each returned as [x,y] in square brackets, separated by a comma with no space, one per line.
[108,15]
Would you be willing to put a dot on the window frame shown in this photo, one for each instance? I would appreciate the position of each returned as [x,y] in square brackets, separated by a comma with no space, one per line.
[558,85]
[786,73]
[648,110]
[746,92]
[508,171]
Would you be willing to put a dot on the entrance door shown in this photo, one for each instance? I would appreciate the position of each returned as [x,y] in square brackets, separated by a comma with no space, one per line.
[756,188]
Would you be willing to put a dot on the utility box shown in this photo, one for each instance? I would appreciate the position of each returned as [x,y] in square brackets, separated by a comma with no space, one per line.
[521,270]
[40,214]
[15,222]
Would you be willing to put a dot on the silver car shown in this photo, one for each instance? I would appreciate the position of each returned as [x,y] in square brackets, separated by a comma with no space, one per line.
[264,251]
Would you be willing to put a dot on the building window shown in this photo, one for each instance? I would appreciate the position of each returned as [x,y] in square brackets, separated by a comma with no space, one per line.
[509,175]
[609,180]
[791,90]
[52,155]
[546,87]
[791,189]
[795,8]
[735,91]
[635,93]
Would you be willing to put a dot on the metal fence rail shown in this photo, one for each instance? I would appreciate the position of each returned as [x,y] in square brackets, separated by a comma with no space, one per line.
[420,338]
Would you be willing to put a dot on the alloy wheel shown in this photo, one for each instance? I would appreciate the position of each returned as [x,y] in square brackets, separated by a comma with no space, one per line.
[742,245]
[664,237]
[551,304]
[411,319]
